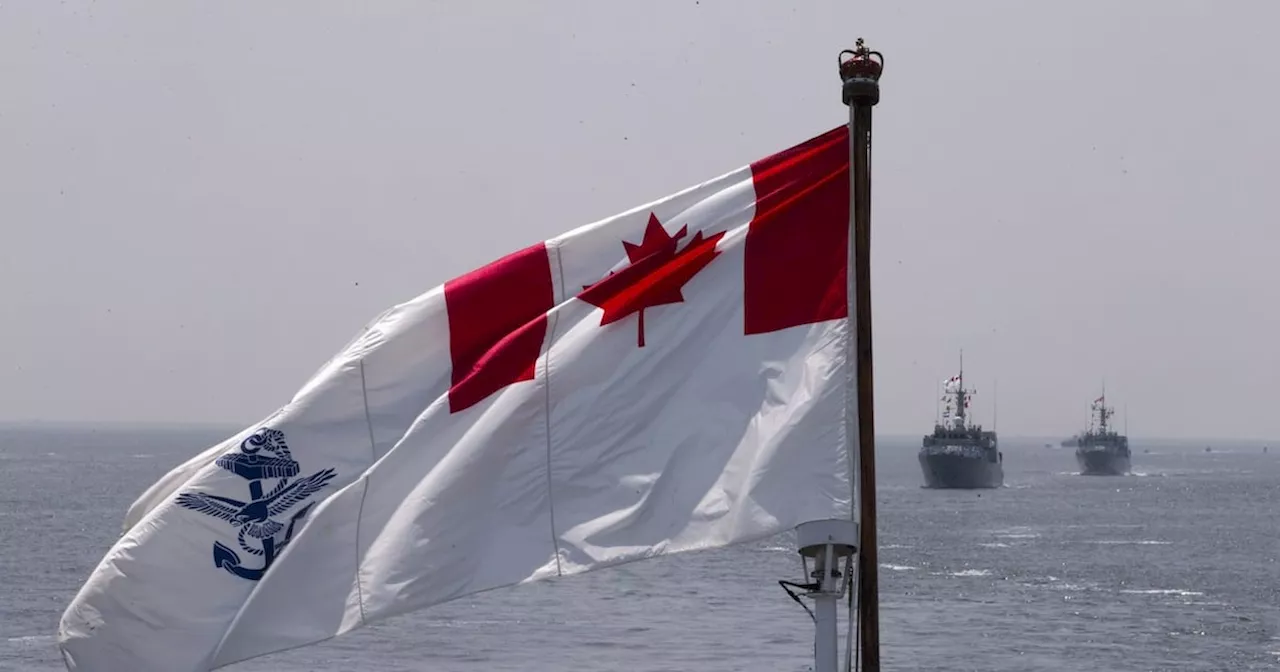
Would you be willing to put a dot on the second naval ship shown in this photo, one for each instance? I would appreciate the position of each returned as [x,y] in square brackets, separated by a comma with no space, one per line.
[959,454]
[1101,451]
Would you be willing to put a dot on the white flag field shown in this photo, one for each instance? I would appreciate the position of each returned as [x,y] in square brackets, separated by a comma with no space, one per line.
[673,378]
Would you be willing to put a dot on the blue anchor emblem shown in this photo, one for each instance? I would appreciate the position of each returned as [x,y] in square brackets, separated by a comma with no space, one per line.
[263,456]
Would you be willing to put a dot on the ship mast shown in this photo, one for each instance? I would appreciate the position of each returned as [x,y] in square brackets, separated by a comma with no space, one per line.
[860,74]
[1102,410]
[1101,414]
[843,551]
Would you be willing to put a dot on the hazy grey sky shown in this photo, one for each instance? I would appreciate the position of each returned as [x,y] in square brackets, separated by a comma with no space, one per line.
[202,202]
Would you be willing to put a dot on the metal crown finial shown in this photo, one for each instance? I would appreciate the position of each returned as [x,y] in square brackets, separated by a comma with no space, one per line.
[860,73]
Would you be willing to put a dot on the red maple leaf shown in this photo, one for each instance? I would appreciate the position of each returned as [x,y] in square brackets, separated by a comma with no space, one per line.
[656,274]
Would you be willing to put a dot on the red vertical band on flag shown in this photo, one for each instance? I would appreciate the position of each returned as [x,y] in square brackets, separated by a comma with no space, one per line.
[797,243]
[497,323]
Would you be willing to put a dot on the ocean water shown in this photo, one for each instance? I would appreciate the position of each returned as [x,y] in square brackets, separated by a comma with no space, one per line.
[1172,568]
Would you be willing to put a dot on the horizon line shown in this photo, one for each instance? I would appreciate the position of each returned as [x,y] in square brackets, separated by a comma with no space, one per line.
[234,427]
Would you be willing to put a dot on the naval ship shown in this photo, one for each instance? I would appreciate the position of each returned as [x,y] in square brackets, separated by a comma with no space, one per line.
[1101,451]
[959,454]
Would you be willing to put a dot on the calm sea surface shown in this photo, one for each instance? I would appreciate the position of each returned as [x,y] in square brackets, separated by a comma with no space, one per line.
[1173,568]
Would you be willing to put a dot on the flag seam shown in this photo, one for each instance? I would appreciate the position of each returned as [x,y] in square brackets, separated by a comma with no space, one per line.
[553,256]
[852,416]
[364,490]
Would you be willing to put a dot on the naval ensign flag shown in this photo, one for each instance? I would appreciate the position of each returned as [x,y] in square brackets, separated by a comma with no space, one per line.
[668,379]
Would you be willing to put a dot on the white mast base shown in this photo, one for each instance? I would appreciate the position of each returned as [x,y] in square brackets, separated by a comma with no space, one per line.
[825,544]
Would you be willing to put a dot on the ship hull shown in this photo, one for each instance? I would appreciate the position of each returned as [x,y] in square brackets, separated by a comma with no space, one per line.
[943,470]
[1102,462]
